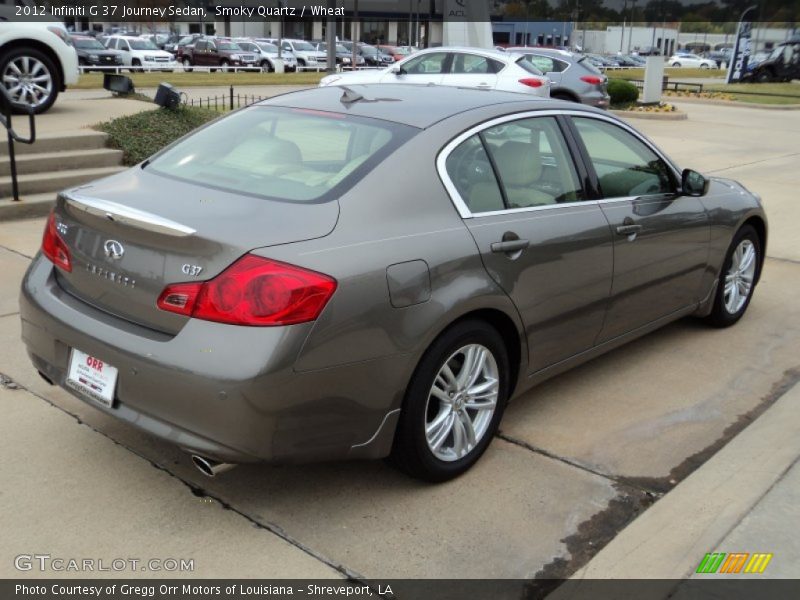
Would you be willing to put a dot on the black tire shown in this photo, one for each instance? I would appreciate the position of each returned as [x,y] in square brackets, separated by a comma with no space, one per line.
[267,67]
[764,76]
[224,66]
[410,450]
[47,63]
[136,66]
[563,96]
[720,315]
[676,64]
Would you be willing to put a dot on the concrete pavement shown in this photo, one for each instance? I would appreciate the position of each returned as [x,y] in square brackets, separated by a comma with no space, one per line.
[579,457]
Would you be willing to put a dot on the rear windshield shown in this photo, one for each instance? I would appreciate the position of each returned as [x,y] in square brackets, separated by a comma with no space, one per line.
[287,154]
[584,61]
[85,44]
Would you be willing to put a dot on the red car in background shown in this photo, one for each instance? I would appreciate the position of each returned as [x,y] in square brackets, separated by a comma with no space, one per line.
[396,52]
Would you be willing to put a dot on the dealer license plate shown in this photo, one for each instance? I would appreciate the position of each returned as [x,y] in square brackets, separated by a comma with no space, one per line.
[92,377]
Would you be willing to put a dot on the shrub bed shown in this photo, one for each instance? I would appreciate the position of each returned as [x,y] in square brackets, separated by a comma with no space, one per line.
[143,134]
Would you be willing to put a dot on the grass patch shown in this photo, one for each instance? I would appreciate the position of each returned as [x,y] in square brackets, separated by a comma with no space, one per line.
[674,74]
[790,92]
[181,79]
[145,133]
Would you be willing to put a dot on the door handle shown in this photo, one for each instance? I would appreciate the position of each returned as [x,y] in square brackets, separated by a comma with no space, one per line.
[628,229]
[510,246]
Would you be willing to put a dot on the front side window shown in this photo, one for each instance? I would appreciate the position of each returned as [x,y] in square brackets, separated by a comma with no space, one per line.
[625,165]
[428,64]
[280,153]
[519,164]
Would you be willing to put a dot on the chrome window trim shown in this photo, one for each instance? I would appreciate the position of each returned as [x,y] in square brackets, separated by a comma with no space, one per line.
[463,209]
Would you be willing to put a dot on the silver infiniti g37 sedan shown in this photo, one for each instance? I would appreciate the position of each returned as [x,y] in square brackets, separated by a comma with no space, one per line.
[374,271]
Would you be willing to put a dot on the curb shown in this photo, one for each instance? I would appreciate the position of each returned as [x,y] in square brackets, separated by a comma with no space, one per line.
[689,100]
[33,206]
[653,116]
[668,541]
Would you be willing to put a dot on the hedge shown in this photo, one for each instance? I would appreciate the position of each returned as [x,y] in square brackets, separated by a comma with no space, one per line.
[622,92]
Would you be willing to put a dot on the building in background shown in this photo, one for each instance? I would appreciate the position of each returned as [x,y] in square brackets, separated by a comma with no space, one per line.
[532,33]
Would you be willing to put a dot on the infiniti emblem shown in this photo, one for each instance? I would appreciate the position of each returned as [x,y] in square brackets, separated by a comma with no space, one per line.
[113,249]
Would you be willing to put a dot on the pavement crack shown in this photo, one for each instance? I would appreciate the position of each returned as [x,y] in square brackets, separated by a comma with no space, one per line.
[350,575]
[655,493]
[17,252]
[11,314]
[755,162]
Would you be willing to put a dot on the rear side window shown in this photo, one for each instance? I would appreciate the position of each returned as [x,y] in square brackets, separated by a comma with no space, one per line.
[280,153]
[519,164]
[546,64]
[528,66]
[475,64]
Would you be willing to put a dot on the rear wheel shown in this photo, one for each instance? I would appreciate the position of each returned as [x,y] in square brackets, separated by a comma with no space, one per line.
[453,404]
[676,64]
[30,78]
[764,76]
[703,66]
[563,96]
[737,279]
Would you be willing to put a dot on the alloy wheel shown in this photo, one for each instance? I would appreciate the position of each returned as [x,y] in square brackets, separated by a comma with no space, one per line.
[28,81]
[461,402]
[740,276]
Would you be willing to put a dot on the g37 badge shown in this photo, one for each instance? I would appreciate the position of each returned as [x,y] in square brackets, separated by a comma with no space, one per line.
[191,270]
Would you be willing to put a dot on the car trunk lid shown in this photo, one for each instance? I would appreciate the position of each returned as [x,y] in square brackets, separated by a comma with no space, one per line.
[132,234]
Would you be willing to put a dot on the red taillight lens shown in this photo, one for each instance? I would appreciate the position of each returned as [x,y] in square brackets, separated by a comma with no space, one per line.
[253,291]
[53,247]
[533,82]
[593,79]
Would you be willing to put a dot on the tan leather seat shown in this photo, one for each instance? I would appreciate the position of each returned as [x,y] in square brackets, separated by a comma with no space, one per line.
[520,166]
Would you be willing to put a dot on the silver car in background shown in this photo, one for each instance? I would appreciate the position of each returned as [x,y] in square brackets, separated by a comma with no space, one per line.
[572,76]
[459,67]
[373,271]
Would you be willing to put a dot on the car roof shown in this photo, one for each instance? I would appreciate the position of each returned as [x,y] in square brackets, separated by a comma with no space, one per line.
[418,106]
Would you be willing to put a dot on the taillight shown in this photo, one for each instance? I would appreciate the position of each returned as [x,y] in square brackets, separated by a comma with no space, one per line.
[252,291]
[53,247]
[592,79]
[533,82]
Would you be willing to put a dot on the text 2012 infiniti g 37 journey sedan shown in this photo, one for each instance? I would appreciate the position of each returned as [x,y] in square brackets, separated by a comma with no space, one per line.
[373,271]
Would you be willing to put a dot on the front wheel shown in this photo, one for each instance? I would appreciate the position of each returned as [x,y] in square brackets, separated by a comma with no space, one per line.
[453,404]
[676,64]
[187,65]
[704,66]
[266,67]
[29,78]
[738,278]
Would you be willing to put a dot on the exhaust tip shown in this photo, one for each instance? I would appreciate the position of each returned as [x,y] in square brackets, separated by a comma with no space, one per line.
[210,467]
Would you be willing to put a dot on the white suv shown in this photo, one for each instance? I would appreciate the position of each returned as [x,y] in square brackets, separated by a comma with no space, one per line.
[140,53]
[307,55]
[37,61]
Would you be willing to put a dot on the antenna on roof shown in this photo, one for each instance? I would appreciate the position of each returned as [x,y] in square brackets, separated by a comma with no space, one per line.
[349,96]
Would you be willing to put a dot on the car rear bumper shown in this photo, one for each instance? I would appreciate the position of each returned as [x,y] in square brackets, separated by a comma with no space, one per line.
[230,393]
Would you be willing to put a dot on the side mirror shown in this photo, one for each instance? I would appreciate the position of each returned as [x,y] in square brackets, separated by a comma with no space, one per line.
[397,70]
[693,183]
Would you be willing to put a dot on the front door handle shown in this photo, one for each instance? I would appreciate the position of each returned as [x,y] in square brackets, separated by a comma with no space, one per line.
[510,246]
[628,229]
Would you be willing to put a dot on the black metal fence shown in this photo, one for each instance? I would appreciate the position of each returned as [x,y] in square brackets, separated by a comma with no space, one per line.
[229,101]
[667,85]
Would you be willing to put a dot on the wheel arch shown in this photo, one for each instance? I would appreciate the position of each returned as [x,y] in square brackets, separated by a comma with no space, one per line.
[41,47]
[757,223]
[568,95]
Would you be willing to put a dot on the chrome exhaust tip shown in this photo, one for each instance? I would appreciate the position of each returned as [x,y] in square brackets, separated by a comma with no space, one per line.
[210,467]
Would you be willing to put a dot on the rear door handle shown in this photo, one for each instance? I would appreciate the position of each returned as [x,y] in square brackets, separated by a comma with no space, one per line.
[628,229]
[510,246]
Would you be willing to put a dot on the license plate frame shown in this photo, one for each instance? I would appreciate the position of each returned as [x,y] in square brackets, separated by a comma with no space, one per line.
[92,377]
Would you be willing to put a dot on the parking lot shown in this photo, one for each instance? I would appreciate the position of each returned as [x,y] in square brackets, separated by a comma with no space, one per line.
[577,458]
